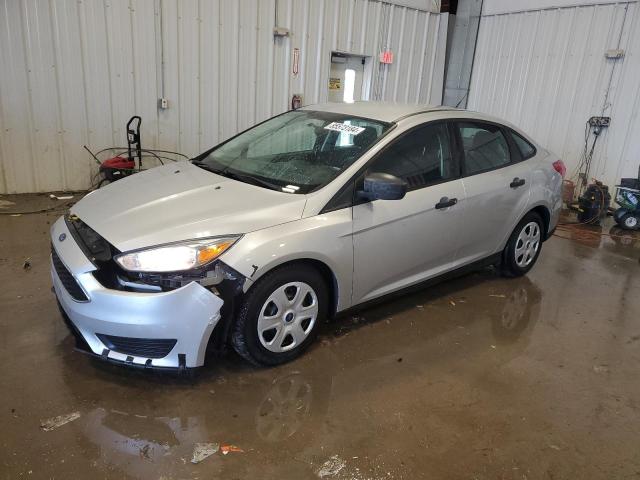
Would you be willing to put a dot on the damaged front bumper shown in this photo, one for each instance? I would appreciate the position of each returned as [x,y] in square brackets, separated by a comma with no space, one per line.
[169,329]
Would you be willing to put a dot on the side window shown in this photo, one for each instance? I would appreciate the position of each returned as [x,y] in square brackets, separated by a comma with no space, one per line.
[420,158]
[526,149]
[485,147]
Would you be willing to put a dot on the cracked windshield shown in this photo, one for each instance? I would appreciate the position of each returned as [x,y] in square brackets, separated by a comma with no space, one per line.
[297,152]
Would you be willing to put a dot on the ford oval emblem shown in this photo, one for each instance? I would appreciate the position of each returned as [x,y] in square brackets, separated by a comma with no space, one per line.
[62,237]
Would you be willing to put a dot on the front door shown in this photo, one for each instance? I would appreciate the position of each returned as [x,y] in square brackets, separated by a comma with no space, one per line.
[398,243]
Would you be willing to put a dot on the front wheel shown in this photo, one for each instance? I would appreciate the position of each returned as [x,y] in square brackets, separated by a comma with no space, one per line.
[280,315]
[523,247]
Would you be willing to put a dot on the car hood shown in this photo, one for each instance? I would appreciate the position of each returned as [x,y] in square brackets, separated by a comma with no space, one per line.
[180,201]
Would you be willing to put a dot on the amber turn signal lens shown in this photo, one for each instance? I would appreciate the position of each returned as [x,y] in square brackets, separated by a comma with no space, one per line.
[210,252]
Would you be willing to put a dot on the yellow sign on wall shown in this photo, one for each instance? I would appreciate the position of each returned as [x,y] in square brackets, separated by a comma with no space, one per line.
[334,84]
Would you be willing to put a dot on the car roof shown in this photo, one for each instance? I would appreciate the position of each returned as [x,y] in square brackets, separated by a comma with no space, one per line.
[382,111]
[392,112]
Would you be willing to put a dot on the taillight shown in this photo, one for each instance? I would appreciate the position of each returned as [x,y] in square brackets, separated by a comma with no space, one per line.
[560,167]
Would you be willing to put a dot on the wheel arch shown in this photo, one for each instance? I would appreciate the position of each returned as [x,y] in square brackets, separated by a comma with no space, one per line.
[541,210]
[545,214]
[323,269]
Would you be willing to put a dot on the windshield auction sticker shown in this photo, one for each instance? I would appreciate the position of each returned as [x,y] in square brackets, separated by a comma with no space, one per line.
[343,127]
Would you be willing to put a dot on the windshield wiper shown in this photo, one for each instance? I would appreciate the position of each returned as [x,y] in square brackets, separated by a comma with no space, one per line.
[237,176]
[252,180]
[206,166]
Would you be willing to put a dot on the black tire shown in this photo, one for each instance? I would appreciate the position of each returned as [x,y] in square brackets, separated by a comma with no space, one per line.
[244,337]
[509,264]
[629,222]
[618,214]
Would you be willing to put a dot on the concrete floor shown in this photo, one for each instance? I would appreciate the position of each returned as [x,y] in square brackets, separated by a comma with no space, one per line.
[477,378]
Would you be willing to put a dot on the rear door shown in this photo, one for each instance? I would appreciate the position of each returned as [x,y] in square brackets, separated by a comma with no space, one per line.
[398,243]
[497,184]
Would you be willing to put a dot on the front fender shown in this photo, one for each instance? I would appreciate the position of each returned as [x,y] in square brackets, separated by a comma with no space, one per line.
[326,238]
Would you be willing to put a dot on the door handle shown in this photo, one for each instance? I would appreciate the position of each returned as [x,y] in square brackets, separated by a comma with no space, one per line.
[446,202]
[517,182]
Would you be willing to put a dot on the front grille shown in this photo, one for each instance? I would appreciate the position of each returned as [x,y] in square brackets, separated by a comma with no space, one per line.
[67,280]
[138,347]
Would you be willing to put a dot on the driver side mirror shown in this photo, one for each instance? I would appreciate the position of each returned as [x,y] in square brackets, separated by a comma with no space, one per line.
[383,186]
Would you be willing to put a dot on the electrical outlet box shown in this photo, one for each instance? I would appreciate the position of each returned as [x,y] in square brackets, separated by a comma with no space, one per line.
[614,53]
[281,32]
[600,121]
[163,103]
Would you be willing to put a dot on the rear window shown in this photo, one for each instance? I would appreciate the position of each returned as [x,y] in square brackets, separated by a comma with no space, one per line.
[526,149]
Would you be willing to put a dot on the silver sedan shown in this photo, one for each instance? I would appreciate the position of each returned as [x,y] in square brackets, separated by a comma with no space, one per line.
[258,240]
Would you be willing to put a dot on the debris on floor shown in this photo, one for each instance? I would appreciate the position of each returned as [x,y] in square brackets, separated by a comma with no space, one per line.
[203,450]
[26,265]
[56,422]
[331,467]
[145,452]
[601,369]
[225,449]
[500,295]
[60,197]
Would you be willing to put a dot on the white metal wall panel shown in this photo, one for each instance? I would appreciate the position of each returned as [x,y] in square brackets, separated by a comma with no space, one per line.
[74,71]
[546,72]
[493,7]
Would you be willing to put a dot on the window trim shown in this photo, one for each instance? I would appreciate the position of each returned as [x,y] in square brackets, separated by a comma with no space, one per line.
[513,159]
[358,177]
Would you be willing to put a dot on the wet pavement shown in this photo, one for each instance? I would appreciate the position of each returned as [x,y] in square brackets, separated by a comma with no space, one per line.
[476,378]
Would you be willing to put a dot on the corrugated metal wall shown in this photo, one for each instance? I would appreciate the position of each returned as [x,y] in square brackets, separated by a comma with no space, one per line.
[546,71]
[73,72]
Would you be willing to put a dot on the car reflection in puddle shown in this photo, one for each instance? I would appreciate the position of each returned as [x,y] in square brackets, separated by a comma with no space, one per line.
[284,408]
[144,445]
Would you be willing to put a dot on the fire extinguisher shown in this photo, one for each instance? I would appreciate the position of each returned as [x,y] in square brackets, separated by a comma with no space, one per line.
[296,102]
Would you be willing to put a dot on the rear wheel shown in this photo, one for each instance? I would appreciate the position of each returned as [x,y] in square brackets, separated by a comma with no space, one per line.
[523,247]
[280,315]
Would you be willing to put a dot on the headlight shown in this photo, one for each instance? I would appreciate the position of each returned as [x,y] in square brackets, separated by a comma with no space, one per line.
[176,256]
